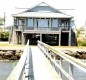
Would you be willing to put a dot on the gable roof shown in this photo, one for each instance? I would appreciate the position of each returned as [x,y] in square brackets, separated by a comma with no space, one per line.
[29,13]
[43,4]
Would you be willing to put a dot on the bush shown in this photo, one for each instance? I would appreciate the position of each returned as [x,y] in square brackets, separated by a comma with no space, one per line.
[82,43]
[4,36]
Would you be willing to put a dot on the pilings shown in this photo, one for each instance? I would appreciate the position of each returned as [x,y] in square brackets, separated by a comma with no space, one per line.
[69,42]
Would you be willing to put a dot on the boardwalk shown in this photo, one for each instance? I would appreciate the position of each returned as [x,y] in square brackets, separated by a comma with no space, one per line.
[36,64]
[42,67]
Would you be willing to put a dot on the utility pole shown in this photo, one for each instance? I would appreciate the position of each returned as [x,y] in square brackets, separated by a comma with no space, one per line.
[4,21]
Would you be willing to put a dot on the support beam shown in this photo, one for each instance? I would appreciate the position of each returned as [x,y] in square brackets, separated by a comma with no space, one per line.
[23,38]
[16,41]
[69,38]
[60,37]
[20,37]
[40,37]
[50,23]
[13,38]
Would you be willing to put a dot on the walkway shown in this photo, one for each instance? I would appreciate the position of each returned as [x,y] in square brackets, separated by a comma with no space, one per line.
[33,65]
[42,67]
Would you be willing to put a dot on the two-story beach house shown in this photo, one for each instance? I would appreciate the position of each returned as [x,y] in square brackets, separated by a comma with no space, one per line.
[45,23]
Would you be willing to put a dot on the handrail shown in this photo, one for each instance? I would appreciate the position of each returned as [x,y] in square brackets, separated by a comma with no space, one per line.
[73,61]
[63,28]
[20,67]
[65,56]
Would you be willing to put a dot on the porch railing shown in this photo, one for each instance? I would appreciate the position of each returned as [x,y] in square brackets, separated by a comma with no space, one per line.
[23,28]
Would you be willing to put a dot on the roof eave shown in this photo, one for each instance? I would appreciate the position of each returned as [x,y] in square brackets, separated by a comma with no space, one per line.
[43,16]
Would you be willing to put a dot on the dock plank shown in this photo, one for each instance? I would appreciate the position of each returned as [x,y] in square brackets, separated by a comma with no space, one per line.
[43,70]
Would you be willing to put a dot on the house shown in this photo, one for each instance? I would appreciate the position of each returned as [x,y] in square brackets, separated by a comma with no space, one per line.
[45,23]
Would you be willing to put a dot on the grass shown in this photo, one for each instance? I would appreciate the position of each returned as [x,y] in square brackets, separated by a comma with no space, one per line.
[73,47]
[7,45]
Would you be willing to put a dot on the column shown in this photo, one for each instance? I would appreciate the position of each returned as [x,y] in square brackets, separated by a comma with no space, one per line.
[69,38]
[13,38]
[40,36]
[33,22]
[50,23]
[60,37]
[23,38]
[17,36]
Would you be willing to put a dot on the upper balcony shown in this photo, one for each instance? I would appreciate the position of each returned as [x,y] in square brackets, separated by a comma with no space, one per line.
[27,28]
[42,24]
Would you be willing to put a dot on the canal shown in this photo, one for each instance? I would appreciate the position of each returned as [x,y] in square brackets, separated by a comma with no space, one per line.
[5,68]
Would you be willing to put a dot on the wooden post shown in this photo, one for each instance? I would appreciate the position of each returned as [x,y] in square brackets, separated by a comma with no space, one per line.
[60,37]
[23,39]
[17,36]
[40,36]
[13,38]
[69,38]
[50,23]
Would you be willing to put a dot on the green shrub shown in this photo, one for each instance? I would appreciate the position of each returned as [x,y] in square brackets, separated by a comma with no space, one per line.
[4,36]
[82,43]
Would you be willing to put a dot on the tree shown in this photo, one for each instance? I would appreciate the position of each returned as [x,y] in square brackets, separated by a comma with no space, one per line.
[1,21]
[81,36]
[80,30]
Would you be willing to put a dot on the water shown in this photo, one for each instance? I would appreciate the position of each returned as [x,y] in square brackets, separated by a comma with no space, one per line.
[5,68]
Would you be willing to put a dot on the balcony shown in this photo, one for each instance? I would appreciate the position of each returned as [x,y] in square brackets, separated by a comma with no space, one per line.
[26,28]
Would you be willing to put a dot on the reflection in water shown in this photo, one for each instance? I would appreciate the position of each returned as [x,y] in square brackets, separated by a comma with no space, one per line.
[5,68]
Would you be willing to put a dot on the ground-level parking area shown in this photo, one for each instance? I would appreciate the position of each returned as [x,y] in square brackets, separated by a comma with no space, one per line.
[51,39]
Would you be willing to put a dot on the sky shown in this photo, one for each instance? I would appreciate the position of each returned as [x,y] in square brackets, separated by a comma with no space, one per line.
[10,7]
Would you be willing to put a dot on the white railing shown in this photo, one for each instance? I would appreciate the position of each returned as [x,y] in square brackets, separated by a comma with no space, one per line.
[20,71]
[52,54]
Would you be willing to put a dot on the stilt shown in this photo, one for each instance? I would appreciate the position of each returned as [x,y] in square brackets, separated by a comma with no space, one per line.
[60,37]
[69,38]
[40,37]
[23,38]
[14,37]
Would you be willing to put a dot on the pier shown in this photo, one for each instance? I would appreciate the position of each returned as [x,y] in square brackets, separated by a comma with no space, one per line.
[43,62]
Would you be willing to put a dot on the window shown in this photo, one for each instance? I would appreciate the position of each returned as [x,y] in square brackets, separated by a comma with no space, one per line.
[65,23]
[42,22]
[54,23]
[21,22]
[30,22]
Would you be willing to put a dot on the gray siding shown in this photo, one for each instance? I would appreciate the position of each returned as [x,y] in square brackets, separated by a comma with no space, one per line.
[43,9]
